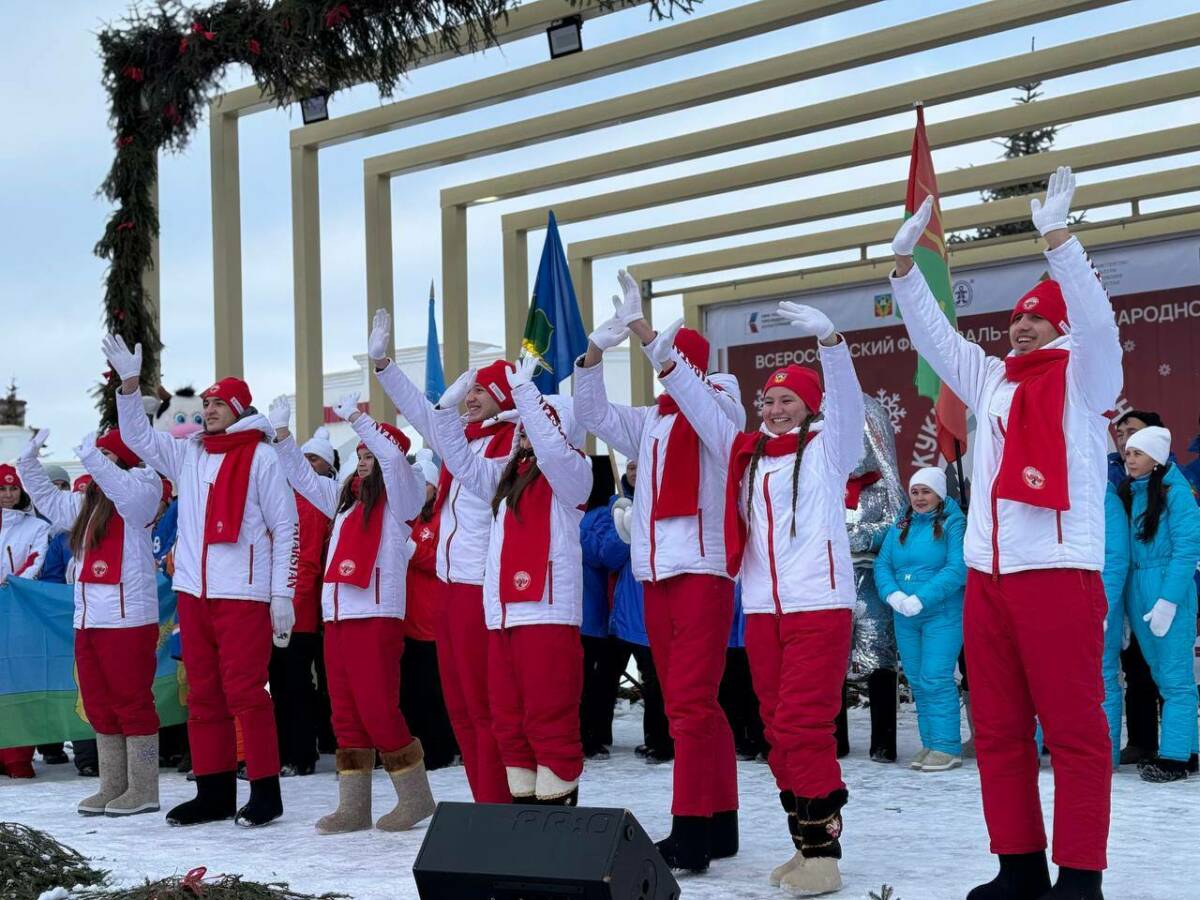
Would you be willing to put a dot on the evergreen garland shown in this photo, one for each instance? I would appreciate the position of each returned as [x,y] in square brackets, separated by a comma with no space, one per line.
[162,66]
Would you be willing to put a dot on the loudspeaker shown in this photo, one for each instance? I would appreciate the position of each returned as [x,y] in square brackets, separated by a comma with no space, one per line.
[488,851]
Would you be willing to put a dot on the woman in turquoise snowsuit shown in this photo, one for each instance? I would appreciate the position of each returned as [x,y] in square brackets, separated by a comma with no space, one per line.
[1160,596]
[1116,569]
[921,574]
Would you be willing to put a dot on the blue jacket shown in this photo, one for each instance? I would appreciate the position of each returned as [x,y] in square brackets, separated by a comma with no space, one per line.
[1116,548]
[58,557]
[164,533]
[931,568]
[1175,547]
[604,553]
[737,634]
[1192,470]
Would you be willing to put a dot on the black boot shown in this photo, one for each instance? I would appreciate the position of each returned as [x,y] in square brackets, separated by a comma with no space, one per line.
[265,803]
[689,845]
[1163,771]
[571,799]
[1075,884]
[1023,876]
[841,728]
[724,843]
[215,801]
[881,693]
[1193,764]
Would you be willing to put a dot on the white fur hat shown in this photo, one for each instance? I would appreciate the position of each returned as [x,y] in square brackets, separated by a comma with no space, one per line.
[1154,441]
[427,467]
[319,445]
[934,479]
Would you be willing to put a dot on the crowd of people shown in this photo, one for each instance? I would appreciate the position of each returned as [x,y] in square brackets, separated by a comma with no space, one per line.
[488,608]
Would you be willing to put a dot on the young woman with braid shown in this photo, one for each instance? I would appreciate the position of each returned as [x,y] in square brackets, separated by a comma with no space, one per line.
[785,532]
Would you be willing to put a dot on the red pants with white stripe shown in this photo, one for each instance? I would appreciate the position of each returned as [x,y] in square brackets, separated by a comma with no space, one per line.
[462,644]
[362,664]
[226,651]
[535,678]
[798,663]
[1034,643]
[688,619]
[116,678]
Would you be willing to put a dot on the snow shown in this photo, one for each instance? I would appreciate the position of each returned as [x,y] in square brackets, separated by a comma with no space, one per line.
[921,833]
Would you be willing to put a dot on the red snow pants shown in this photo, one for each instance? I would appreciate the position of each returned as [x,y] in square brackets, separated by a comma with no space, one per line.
[798,663]
[17,762]
[362,664]
[116,678]
[688,619]
[535,680]
[1034,642]
[226,650]
[462,644]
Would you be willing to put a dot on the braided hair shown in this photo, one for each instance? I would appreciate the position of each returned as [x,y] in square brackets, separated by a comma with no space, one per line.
[759,450]
[938,517]
[1156,501]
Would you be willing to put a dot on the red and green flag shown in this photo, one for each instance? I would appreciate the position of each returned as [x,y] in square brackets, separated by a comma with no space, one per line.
[931,258]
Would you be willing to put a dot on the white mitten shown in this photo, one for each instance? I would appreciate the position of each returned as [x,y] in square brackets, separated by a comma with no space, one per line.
[909,234]
[1053,214]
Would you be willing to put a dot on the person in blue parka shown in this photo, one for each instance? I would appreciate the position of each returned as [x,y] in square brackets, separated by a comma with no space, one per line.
[1116,570]
[1160,596]
[921,574]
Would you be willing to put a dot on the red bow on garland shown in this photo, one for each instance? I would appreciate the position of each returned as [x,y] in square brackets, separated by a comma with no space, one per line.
[197,28]
[337,15]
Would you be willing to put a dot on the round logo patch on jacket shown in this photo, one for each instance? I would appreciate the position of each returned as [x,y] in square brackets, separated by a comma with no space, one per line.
[1034,478]
[346,568]
[99,568]
[426,533]
[522,580]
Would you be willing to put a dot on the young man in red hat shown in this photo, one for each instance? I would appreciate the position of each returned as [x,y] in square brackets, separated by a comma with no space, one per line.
[678,553]
[1035,604]
[465,524]
[235,569]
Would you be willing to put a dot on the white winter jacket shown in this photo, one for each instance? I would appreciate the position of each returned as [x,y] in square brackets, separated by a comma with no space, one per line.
[136,494]
[784,572]
[570,476]
[663,548]
[384,596]
[1006,536]
[23,541]
[262,564]
[466,520]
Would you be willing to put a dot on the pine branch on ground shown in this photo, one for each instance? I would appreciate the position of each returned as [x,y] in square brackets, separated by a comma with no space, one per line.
[32,862]
[219,887]
[885,893]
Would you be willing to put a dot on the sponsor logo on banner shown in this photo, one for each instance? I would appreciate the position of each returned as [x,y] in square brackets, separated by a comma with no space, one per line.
[963,294]
[752,323]
[883,306]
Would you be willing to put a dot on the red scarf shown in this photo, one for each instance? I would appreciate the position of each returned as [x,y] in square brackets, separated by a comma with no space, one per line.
[102,563]
[855,485]
[739,462]
[500,445]
[525,553]
[227,497]
[1033,468]
[353,559]
[679,490]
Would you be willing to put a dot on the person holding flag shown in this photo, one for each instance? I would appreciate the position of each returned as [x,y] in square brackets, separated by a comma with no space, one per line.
[1035,605]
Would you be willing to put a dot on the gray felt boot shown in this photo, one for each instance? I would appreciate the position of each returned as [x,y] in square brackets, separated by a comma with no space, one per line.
[353,812]
[114,779]
[414,799]
[141,753]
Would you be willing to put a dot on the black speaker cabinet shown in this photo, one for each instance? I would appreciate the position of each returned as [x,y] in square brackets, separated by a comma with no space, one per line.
[485,851]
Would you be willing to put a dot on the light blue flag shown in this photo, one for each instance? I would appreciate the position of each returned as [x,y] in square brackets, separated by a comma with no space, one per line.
[435,378]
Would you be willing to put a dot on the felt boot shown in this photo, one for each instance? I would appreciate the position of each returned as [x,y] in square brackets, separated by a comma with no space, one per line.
[724,843]
[522,784]
[141,794]
[215,800]
[1022,876]
[414,799]
[788,800]
[689,845]
[1076,884]
[552,790]
[265,804]
[353,813]
[114,776]
[819,821]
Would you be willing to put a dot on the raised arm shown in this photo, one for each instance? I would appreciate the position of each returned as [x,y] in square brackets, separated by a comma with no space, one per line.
[841,440]
[479,475]
[157,449]
[565,466]
[134,492]
[699,400]
[409,399]
[60,507]
[320,492]
[405,489]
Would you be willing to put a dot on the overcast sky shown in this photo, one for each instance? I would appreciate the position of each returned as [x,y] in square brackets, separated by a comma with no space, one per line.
[57,147]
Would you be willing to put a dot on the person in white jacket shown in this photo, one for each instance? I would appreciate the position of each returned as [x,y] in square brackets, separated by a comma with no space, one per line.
[533,586]
[677,551]
[235,562]
[1035,604]
[23,536]
[465,525]
[785,532]
[363,606]
[116,611]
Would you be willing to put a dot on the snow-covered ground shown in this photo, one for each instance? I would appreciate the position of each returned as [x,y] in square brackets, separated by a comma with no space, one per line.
[923,834]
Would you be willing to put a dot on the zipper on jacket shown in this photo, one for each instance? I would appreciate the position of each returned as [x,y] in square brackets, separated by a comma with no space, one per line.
[829,553]
[653,509]
[251,564]
[771,543]
[336,585]
[700,529]
[454,530]
[12,566]
[550,575]
[1058,518]
[83,594]
[121,588]
[377,585]
[204,553]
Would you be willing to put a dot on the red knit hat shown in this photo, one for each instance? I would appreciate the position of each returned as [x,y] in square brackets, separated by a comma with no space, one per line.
[693,347]
[493,380]
[1045,299]
[111,441]
[80,484]
[394,434]
[800,380]
[9,476]
[234,391]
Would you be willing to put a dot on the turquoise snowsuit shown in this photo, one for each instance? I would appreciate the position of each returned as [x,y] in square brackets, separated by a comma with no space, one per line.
[933,570]
[1116,570]
[1164,568]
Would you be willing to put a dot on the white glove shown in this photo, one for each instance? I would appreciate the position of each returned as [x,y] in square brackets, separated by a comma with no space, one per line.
[659,349]
[910,232]
[807,319]
[630,309]
[611,331]
[522,373]
[1052,215]
[905,604]
[279,413]
[454,395]
[87,443]
[34,445]
[283,619]
[126,363]
[346,406]
[1161,615]
[379,344]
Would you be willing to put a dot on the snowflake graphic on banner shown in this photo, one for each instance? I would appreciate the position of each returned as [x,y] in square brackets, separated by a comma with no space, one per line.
[1164,370]
[891,403]
[1129,346]
[758,401]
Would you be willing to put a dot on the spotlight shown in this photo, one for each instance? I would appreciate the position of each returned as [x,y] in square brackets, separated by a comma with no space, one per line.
[565,36]
[315,108]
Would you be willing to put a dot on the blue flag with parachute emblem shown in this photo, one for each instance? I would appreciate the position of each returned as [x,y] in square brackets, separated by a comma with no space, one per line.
[554,331]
